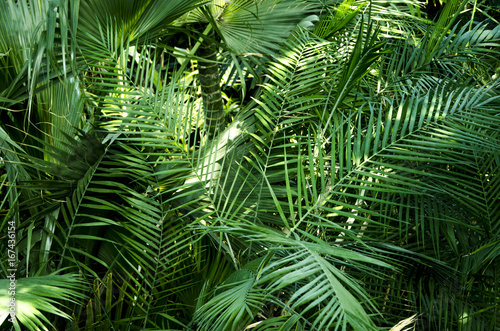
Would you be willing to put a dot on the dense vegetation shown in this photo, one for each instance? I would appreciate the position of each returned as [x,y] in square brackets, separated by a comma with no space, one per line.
[250,165]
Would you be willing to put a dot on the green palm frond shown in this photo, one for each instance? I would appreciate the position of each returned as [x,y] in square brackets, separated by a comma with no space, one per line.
[398,19]
[20,31]
[35,41]
[459,52]
[259,27]
[331,23]
[235,304]
[450,13]
[356,187]
[308,274]
[61,168]
[253,27]
[34,295]
[395,19]
[133,19]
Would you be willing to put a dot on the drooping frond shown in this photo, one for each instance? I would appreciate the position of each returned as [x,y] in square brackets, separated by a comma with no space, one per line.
[38,294]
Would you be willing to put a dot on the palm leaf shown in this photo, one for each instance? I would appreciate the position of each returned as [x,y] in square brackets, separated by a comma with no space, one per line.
[243,23]
[38,294]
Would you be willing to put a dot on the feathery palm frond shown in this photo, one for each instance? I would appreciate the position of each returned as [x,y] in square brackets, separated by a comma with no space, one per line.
[358,188]
[34,295]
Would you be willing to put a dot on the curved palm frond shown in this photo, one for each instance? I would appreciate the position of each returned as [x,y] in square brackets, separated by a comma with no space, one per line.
[34,295]
[133,19]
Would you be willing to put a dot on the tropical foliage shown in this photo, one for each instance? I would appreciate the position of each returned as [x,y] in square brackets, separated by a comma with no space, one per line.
[350,180]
